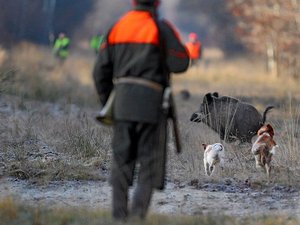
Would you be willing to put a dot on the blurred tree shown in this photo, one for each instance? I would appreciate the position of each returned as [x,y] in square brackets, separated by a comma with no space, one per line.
[35,20]
[213,23]
[49,9]
[103,14]
[13,16]
[272,28]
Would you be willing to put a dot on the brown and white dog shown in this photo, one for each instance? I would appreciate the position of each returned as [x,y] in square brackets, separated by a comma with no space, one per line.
[264,148]
[213,154]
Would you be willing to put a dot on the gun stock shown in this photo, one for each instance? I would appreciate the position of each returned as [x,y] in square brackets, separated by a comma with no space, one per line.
[170,111]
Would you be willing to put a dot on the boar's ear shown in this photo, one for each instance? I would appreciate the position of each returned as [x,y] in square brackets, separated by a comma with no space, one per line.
[215,94]
[208,98]
[204,146]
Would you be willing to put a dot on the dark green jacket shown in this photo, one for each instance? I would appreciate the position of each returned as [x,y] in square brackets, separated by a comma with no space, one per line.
[138,46]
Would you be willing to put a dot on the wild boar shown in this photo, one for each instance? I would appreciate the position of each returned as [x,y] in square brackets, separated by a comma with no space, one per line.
[231,118]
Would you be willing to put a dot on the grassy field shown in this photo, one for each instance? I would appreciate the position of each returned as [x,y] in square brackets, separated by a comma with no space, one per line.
[15,214]
[56,103]
[48,132]
[244,80]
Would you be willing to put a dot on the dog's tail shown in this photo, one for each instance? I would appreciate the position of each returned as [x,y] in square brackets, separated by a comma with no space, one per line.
[265,113]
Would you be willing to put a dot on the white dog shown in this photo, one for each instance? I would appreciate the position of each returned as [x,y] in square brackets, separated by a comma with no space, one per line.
[213,154]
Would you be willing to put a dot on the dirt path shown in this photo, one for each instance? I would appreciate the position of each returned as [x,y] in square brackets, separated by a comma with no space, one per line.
[229,198]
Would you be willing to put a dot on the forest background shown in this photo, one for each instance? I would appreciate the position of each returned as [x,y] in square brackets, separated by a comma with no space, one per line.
[236,27]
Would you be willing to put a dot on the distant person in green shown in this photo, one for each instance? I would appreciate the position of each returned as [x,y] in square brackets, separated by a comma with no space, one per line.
[96,42]
[61,47]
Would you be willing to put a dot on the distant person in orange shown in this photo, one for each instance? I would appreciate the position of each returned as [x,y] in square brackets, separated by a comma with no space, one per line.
[194,47]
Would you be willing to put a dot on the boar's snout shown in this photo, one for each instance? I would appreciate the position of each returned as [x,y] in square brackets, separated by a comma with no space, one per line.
[196,117]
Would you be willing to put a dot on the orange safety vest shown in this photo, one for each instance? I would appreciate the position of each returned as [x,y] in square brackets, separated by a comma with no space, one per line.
[136,27]
[194,49]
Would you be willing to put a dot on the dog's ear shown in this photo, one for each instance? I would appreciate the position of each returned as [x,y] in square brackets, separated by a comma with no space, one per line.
[270,129]
[204,146]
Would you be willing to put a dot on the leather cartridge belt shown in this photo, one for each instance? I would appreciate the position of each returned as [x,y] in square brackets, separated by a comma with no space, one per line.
[141,81]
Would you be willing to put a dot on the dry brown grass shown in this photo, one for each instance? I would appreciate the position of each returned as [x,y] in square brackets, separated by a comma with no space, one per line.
[255,87]
[48,131]
[14,214]
[47,127]
[44,142]
[33,72]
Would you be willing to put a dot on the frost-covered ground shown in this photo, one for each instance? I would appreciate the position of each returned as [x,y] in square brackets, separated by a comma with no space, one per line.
[230,198]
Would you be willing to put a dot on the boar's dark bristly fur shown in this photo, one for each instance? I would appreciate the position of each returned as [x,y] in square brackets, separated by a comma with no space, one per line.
[231,118]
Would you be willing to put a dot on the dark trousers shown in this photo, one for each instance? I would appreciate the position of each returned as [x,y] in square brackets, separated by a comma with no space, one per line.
[136,143]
